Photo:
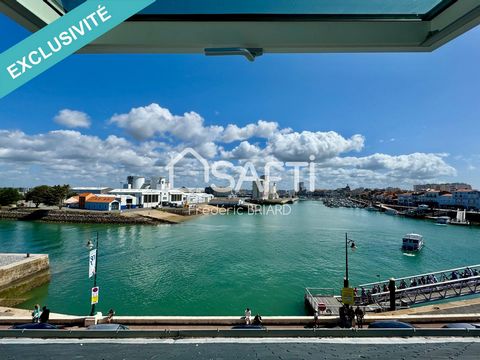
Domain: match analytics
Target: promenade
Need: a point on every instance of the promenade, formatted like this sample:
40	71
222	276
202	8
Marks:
242	348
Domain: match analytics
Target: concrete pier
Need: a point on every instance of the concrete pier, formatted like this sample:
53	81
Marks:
20	273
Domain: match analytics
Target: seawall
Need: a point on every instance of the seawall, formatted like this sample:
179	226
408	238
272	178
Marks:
19	274
74	216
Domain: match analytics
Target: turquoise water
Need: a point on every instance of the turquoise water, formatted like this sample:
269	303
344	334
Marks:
218	265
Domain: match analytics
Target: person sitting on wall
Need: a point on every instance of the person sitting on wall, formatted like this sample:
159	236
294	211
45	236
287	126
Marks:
45	315
110	314
257	320
36	313
248	316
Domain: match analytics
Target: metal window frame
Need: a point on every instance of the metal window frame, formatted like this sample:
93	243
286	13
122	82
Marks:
271	33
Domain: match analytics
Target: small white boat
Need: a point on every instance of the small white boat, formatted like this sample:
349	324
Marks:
461	218
412	242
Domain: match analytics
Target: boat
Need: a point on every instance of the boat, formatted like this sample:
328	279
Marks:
442	220
461	218
391	212
412	242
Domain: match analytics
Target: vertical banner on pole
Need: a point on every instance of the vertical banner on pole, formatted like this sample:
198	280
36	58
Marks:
91	263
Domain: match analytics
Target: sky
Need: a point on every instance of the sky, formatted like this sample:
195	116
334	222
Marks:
372	120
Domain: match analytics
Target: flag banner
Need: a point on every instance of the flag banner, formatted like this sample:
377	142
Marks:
60	39
92	262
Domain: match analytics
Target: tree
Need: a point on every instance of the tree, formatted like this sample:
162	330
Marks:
9	196
57	195
38	195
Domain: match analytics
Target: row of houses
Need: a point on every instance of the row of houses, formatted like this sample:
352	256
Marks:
465	198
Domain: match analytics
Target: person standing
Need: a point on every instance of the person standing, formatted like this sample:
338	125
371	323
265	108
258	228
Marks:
315	318
359	314
248	316
343	316
45	315
350	317
36	313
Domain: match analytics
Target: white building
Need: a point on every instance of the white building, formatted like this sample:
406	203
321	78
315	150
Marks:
468	199
154	192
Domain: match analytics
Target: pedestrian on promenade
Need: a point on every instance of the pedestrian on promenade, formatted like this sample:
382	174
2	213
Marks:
36	313
350	317
315	318
248	316
110	314
364	295
359	314
45	315
343	316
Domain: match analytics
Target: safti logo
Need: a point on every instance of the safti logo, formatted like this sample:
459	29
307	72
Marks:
247	172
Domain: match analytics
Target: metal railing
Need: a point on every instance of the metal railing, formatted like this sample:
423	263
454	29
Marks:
441	276
431	292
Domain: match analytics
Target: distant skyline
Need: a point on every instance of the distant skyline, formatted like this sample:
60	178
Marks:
372	120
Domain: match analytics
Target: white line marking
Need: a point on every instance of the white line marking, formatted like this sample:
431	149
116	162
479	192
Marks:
346	341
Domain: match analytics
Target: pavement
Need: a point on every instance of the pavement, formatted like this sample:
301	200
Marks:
335	348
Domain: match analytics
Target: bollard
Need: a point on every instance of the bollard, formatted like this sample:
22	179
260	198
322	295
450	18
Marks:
391	288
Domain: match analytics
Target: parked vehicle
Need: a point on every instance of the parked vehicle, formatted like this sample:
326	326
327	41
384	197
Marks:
390	325
107	327
35	326
461	326
248	327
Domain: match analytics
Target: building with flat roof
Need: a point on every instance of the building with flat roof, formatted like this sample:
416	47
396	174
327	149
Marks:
91	190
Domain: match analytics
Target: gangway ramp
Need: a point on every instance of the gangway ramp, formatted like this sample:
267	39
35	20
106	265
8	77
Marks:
422	288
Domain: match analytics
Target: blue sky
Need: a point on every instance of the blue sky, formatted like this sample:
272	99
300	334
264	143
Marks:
400	104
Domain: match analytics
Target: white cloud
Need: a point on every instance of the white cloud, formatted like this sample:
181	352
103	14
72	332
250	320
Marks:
153	120
244	151
262	129
82	159
72	119
411	166
70	156
323	145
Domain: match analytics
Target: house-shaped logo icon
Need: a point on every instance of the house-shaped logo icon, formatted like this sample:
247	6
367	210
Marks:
182	155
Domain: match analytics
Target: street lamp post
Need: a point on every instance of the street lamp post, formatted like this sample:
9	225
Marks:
92	311
352	246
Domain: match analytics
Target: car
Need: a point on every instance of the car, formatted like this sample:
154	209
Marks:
248	327
107	327
35	326
390	325
459	326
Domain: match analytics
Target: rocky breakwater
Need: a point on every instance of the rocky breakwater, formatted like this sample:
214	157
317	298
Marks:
74	216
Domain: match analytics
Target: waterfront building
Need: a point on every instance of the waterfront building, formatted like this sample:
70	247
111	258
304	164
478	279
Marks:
445	201
91	190
263	190
450	187
102	203
156	192
89	201
466	199
260	188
